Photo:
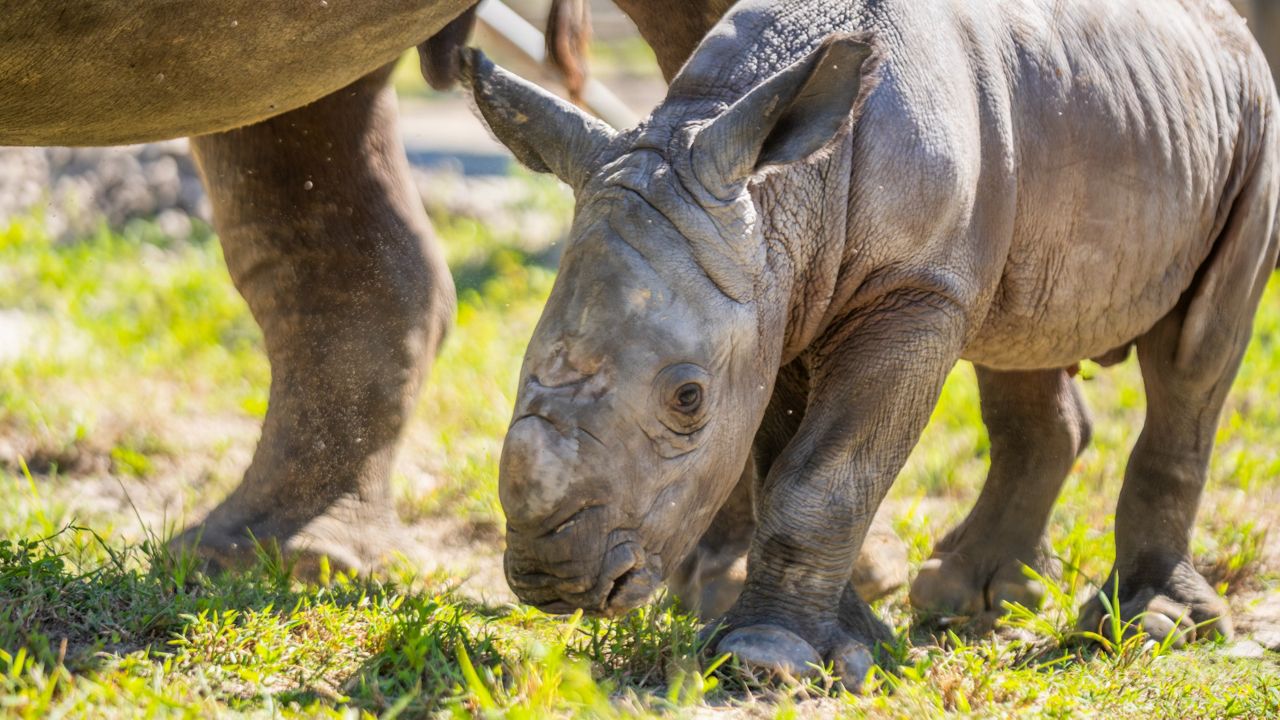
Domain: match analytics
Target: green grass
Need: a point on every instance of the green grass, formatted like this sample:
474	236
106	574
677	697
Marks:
136	403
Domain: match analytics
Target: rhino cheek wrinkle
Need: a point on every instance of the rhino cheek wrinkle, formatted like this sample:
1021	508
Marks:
835	203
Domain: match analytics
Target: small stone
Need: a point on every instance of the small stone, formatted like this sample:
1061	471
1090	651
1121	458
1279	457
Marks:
1248	649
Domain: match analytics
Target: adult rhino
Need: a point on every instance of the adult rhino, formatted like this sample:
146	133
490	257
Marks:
294	129
834	204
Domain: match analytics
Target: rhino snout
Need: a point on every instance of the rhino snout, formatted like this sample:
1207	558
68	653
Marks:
536	475
607	584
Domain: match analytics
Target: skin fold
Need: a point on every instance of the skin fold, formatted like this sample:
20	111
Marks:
834	204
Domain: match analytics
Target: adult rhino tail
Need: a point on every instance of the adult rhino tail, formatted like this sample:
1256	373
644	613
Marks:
438	55
568	39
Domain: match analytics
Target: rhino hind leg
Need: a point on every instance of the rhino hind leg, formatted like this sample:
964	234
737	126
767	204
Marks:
327	241
1189	360
1039	425
1158	589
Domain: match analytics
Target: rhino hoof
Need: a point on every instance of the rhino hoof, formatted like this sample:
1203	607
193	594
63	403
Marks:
852	662
772	650
1184	610
337	542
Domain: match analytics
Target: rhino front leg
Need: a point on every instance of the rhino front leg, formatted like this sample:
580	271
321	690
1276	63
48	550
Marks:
1038	425
712	577
327	240
873	387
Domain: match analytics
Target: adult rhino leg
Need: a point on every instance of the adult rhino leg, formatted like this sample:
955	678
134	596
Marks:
327	240
1038	425
712	577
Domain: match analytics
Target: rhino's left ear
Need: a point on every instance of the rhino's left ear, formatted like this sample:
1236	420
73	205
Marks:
789	117
544	132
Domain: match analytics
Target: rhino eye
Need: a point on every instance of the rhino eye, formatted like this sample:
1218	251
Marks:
681	397
689	398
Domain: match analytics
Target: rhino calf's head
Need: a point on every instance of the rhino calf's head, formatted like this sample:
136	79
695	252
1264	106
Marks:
651	367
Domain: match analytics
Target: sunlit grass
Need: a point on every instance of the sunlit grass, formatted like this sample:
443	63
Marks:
141	342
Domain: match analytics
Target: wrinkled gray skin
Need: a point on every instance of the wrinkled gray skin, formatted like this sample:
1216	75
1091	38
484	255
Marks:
753	273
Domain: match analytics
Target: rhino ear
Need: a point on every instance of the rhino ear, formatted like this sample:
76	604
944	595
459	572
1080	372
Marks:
792	115
544	132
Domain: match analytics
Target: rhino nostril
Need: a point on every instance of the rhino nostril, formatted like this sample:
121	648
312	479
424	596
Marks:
571	521
619	585
567	524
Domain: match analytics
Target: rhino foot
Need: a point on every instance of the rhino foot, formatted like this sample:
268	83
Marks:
774	652
350	536
789	646
1181	608
976	589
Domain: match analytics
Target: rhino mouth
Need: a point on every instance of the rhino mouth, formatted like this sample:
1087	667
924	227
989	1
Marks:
625	579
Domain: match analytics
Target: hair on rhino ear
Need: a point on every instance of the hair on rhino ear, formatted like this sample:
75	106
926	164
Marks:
544	132
568	40
438	56
788	118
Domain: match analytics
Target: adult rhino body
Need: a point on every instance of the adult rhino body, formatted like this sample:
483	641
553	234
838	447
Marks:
323	231
834	204
296	137
110	72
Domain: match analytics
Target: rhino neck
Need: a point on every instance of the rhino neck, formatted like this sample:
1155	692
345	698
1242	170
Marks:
804	218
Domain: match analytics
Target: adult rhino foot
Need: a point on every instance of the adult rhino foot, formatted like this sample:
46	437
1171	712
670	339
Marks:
1180	608
786	646
349	536
973	586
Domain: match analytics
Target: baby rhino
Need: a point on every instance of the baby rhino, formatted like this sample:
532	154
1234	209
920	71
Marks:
835	203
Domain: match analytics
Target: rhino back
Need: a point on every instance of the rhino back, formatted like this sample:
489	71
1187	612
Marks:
1132	125
1060	168
100	72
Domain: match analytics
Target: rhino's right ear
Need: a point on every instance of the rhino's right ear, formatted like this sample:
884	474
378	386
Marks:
544	132
789	117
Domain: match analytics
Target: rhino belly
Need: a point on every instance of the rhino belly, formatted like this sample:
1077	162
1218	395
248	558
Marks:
104	72
1059	303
